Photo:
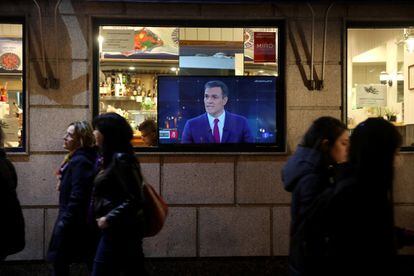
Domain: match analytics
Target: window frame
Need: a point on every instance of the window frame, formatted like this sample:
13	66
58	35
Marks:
24	149
351	24
282	52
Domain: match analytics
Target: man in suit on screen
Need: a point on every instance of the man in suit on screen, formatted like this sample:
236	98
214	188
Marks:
216	125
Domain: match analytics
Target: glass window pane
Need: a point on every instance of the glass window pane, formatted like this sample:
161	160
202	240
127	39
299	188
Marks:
11	83
379	61
131	58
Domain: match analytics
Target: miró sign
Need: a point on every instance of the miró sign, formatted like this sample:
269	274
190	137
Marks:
264	47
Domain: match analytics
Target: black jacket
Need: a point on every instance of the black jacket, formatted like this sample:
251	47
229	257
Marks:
118	194
305	176
361	224
357	229
12	233
71	235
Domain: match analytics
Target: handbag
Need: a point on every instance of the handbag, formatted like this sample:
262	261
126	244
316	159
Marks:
155	211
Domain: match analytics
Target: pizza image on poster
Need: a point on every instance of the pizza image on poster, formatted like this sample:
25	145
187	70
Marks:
9	61
147	43
146	40
10	55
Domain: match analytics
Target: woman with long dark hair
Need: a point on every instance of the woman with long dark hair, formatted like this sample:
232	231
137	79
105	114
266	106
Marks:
72	237
361	217
310	171
118	200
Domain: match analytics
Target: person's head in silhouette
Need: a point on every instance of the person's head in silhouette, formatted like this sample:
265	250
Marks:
374	144
330	136
113	134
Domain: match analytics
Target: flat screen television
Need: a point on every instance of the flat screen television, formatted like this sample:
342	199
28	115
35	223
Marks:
220	114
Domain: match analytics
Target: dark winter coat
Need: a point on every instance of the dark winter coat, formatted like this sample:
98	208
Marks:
305	176
118	195
357	224
12	233
360	220
72	236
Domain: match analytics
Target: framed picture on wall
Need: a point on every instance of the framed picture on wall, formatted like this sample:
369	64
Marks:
411	77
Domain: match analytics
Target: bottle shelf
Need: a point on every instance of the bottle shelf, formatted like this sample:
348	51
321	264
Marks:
11	74
120	98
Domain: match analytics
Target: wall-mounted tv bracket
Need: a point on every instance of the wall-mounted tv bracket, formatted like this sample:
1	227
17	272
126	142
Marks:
318	84
46	81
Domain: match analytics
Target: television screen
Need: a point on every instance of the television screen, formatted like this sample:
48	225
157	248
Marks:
208	112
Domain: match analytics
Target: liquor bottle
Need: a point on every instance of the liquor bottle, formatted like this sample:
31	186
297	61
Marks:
128	80
155	86
102	89
154	83
113	81
118	85
3	93
138	88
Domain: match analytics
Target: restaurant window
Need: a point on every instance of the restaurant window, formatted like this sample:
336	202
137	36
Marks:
380	77
132	56
12	83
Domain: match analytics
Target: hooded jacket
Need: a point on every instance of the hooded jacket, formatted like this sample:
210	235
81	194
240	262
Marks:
305	176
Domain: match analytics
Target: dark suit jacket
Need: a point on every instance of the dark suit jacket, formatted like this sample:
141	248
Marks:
198	131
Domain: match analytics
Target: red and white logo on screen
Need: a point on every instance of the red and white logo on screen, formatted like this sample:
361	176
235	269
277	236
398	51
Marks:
173	134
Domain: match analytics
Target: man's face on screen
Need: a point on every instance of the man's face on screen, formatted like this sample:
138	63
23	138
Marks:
214	101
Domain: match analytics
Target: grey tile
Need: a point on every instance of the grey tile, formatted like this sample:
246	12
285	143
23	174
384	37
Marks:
259	181
177	238
71	41
242	231
34	236
404	175
198	180
298	40
47	126
37	179
50	219
298	94
73	88
298	122
281	226
150	168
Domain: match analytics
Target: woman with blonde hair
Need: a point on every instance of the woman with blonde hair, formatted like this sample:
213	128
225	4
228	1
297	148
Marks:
72	238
